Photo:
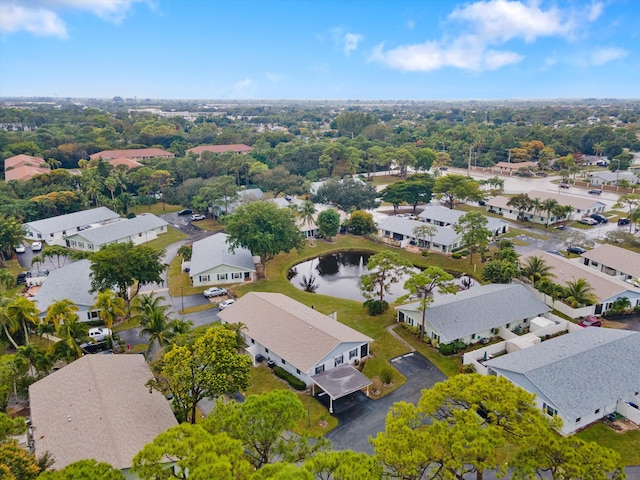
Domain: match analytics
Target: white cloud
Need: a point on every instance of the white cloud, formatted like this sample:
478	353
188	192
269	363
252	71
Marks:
602	55
243	88
43	17
351	41
488	25
411	24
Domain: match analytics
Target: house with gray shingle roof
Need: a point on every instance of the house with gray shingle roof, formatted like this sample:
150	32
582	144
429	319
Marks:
73	281
138	230
398	231
447	217
297	338
213	263
581	377
54	230
99	407
474	314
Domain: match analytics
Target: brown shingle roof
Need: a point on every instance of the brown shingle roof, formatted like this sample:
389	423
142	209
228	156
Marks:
22	159
129	162
24	172
604	286
296	333
134	153
236	148
97	407
621	259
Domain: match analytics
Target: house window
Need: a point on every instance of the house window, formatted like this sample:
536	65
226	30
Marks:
339	360
401	316
298	371
283	362
320	369
204	278
253	341
549	410
222	276
473	336
237	275
578	419
507	325
266	350
597	411
353	353
247	275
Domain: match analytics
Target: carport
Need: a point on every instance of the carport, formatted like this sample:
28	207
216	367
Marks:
340	382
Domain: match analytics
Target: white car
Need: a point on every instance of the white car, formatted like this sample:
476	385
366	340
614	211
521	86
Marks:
99	334
36	246
20	248
226	303
214	292
198	216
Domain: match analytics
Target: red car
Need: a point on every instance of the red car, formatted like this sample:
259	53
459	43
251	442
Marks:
590	321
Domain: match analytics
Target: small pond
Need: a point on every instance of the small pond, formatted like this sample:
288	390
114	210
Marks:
338	275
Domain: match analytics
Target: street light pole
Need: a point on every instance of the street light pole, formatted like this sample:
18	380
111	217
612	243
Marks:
617	173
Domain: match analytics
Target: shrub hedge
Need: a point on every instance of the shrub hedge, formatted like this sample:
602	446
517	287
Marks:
294	381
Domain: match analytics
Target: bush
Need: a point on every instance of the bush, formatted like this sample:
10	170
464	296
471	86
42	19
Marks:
294	381
425	253
386	375
411	329
451	348
131	215
456	255
376	307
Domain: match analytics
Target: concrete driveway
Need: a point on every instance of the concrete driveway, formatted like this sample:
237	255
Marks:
360	417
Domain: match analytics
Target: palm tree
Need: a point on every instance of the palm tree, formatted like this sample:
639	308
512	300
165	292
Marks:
520	202
156	327
536	204
111	307
73	332
306	212
179	326
25	312
536	269
145	303
425	231
6	280
548	205
579	293
60	311
9	322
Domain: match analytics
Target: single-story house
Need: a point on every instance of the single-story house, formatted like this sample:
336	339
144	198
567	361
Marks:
133	153
615	261
509	168
582	206
54	230
97	407
606	288
213	263
399	231
611	178
474	314
445	217
138	230
580	377
24	167
297	338
233	148
73	282
127	162
244	196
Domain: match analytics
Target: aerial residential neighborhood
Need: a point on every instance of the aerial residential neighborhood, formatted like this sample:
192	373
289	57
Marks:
266	240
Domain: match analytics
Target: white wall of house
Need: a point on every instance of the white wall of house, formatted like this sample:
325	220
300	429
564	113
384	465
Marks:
56	238
403	241
222	275
78	242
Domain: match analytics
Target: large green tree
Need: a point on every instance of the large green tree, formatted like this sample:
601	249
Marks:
347	194
328	223
125	268
386	268
84	469
11	233
475	234
457	188
264	229
203	368
263	423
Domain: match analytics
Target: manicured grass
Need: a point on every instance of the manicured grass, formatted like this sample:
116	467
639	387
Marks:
197	308
626	444
155	208
126	325
450	366
169	238
263	380
210	225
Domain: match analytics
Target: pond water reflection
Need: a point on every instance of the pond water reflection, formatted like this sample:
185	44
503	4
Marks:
338	275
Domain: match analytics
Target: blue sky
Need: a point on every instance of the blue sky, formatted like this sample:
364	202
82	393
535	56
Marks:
358	49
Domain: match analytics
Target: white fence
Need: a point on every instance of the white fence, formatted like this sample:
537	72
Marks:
560	306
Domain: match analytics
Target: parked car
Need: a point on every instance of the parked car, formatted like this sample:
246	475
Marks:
565	185
185	211
562	226
21	279
555	252
19	248
590	321
588	221
198	216
576	250
623	221
595	192
599	218
99	334
214	292
36	246
226	303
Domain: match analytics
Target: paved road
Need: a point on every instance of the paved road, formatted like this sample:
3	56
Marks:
361	417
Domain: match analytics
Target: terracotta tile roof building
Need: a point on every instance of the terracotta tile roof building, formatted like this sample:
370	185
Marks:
134	154
23	167
234	148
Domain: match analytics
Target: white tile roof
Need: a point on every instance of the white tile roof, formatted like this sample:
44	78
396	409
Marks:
71	221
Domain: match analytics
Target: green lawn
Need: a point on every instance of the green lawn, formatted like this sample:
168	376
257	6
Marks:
164	240
626	444
155	208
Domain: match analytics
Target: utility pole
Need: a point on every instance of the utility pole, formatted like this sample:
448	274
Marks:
469	164
509	152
